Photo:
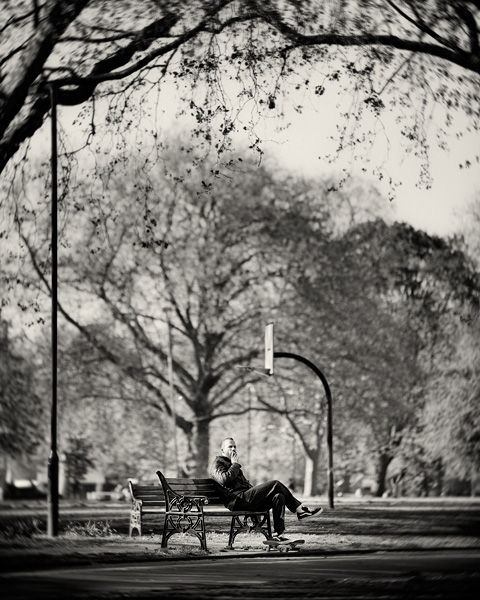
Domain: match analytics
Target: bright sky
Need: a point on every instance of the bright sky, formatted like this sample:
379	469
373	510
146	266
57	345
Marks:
438	210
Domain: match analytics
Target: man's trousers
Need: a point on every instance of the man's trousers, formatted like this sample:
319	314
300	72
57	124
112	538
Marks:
265	496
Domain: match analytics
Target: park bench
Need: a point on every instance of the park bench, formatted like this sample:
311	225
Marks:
186	503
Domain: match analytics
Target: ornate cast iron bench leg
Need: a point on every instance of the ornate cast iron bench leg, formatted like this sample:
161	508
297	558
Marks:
136	518
183	522
202	534
262	525
258	524
235	528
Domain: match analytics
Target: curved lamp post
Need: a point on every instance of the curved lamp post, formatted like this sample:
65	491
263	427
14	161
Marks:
328	394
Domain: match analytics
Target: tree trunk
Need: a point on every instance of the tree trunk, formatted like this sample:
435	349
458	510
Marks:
473	481
382	465
309	476
3	477
199	444
310	485
439	475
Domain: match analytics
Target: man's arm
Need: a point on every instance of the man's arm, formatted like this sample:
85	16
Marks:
223	473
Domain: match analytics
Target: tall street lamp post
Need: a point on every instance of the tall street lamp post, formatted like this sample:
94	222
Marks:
53	457
171	391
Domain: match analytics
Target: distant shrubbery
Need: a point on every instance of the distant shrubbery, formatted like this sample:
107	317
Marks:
90	529
26	528
32	526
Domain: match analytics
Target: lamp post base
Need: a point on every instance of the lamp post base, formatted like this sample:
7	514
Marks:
53	494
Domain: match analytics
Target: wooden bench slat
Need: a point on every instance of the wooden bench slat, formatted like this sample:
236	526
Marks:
192	482
194	488
211	499
212	496
174	482
211	511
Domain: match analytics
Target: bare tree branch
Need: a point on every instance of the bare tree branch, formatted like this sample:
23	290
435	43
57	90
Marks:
24	104
16	86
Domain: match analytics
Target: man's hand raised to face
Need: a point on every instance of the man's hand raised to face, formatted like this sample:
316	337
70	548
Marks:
229	448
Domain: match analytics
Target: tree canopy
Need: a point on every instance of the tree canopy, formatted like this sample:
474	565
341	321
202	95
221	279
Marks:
378	307
22	407
205	271
96	48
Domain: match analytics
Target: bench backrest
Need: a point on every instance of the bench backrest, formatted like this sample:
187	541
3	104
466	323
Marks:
151	493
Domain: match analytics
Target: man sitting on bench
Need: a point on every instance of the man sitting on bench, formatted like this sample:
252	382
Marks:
240	494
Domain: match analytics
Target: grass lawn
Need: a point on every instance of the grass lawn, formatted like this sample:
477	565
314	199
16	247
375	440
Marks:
91	534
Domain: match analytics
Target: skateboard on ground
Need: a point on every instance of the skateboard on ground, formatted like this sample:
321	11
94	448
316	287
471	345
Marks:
284	546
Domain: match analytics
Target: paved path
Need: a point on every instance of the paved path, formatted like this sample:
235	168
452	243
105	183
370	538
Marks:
387	575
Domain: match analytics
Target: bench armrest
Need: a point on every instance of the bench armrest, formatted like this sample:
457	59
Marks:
176	502
185	504
200	499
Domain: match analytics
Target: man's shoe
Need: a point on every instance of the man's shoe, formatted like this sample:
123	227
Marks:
306	513
278	538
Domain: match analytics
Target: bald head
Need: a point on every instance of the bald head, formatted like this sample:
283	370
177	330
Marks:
228	446
227	442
